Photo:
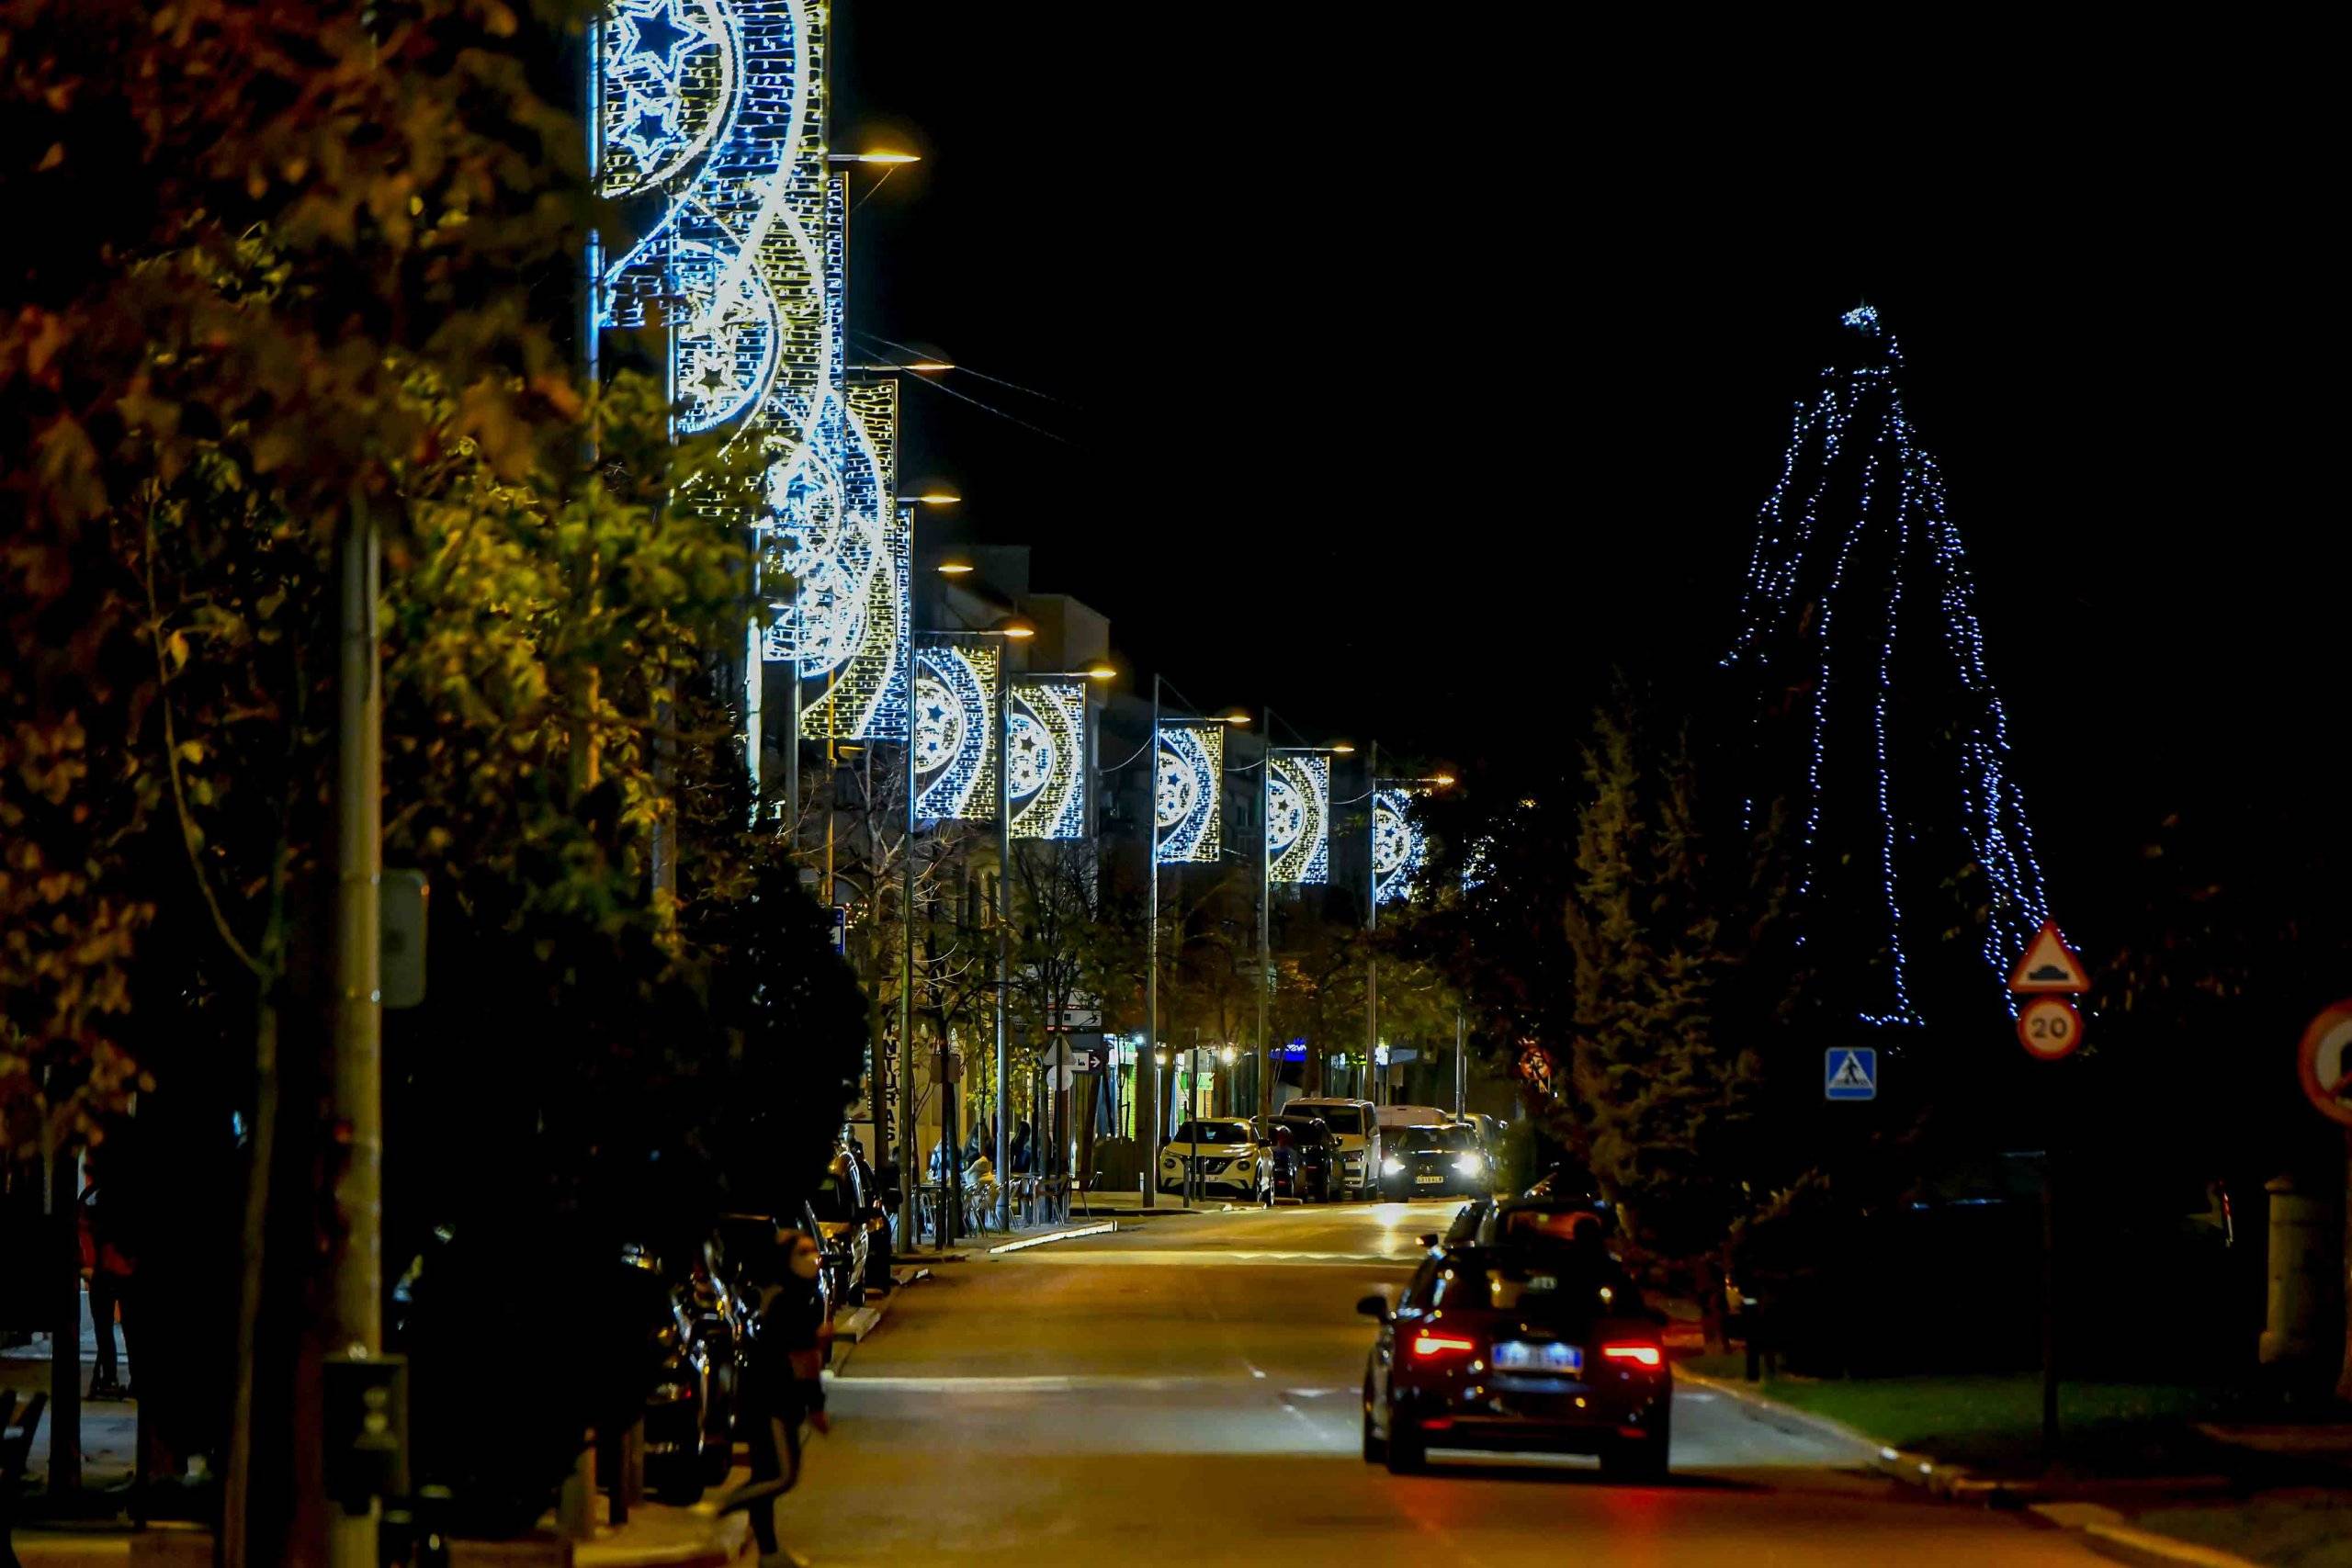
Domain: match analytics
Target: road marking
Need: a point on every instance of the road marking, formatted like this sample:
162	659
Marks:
1042	1383
1071	1255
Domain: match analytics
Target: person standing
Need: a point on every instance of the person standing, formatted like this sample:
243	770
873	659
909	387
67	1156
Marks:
783	1386
106	1257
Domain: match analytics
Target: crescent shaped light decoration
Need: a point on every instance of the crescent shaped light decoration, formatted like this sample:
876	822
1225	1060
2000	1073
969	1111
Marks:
955	732
1399	847
713	113
1047	763
1190	804
1298	820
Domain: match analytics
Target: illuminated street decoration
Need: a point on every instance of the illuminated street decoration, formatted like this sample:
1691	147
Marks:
1877	716
1190	776
1298	819
955	732
865	699
1399	846
715	110
1045	761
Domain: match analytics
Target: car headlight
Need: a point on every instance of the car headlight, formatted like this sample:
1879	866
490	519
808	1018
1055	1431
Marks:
1469	1164
1392	1165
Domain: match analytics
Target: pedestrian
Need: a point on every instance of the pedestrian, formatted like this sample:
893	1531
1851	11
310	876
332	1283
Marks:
782	1385
105	1260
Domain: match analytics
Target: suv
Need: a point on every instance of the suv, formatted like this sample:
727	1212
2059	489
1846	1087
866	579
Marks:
1225	1152
1355	1128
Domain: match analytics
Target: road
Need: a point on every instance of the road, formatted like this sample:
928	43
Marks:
1189	1390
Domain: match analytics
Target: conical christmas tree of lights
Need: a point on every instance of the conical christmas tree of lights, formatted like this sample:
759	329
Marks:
1876	724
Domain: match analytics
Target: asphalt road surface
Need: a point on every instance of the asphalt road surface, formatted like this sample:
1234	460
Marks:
1189	1391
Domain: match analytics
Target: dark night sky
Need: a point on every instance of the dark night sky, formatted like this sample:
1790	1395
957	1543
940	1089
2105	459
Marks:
1416	390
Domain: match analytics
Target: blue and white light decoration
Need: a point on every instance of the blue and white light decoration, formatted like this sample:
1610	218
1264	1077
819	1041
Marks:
1298	819
715	110
1190	778
955	732
1858	417
1398	845
1045	763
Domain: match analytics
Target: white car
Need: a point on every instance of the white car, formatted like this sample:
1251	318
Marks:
1230	1160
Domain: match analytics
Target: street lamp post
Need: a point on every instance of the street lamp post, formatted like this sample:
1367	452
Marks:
1265	1066
1151	967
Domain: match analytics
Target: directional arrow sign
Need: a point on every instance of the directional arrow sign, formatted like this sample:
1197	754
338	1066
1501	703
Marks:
2049	964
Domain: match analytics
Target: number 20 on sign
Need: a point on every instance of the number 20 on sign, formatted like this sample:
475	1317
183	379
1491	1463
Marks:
2049	1027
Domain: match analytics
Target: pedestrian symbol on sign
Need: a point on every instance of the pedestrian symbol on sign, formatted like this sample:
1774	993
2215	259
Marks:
1850	1073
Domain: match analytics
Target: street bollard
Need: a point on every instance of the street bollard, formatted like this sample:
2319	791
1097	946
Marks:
2298	1262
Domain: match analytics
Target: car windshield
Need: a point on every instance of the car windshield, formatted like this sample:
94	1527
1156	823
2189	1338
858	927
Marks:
1213	1133
1345	1121
1441	1140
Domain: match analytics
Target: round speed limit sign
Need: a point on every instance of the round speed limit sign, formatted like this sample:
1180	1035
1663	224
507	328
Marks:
2324	1062
2049	1027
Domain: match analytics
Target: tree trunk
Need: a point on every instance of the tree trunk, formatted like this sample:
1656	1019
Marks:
236	1486
66	1339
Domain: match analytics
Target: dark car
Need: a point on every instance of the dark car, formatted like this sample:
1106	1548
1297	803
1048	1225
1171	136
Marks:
1307	1158
690	1409
1434	1162
845	1218
1518	1348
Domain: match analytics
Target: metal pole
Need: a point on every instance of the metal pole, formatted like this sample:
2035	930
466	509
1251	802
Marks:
910	1168
1151	969
1265	907
358	1263
792	741
1003	934
1461	1063
1372	914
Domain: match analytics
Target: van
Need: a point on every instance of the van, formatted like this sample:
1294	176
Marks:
1355	1128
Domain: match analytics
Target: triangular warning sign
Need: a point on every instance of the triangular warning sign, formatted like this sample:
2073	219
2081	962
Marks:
1849	1074
2049	964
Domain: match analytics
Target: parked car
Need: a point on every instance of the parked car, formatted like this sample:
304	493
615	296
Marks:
1304	1158
1355	1128
753	1258
689	1411
1434	1162
1395	1118
845	1217
1517	1347
1225	1153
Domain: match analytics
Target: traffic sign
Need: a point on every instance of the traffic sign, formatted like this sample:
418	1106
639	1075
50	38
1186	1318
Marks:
1849	1072
840	929
2049	964
2324	1062
2049	1027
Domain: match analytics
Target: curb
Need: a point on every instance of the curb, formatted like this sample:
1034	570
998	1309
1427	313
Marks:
731	1534
1103	1227
1911	1469
2105	1532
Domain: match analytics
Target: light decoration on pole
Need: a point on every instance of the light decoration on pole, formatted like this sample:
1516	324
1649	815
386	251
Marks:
1046	761
1298	819
1856	547
955	732
715	110
1190	805
1398	844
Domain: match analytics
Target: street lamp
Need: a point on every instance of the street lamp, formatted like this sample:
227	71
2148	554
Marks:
1049	1123
1373	783
1266	897
1015	631
1152	929
921	366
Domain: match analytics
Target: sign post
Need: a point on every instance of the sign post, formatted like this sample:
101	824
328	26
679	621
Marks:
2050	976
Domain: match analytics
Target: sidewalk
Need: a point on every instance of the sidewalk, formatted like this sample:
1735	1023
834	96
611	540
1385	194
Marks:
2140	1476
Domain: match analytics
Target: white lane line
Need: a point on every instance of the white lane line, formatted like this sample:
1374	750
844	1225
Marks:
1027	1242
1042	1382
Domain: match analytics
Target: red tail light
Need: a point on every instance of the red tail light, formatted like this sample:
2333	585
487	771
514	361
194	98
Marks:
1428	1346
1640	1355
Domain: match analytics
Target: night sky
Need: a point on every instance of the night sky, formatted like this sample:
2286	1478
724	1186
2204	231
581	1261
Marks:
1413	391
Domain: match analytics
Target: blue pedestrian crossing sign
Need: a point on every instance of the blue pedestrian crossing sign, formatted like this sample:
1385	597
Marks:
1850	1072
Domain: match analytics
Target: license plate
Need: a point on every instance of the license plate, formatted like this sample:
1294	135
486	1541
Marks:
1431	1181
1519	1356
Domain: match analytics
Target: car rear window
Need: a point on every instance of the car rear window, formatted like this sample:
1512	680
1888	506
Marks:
1549	1290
